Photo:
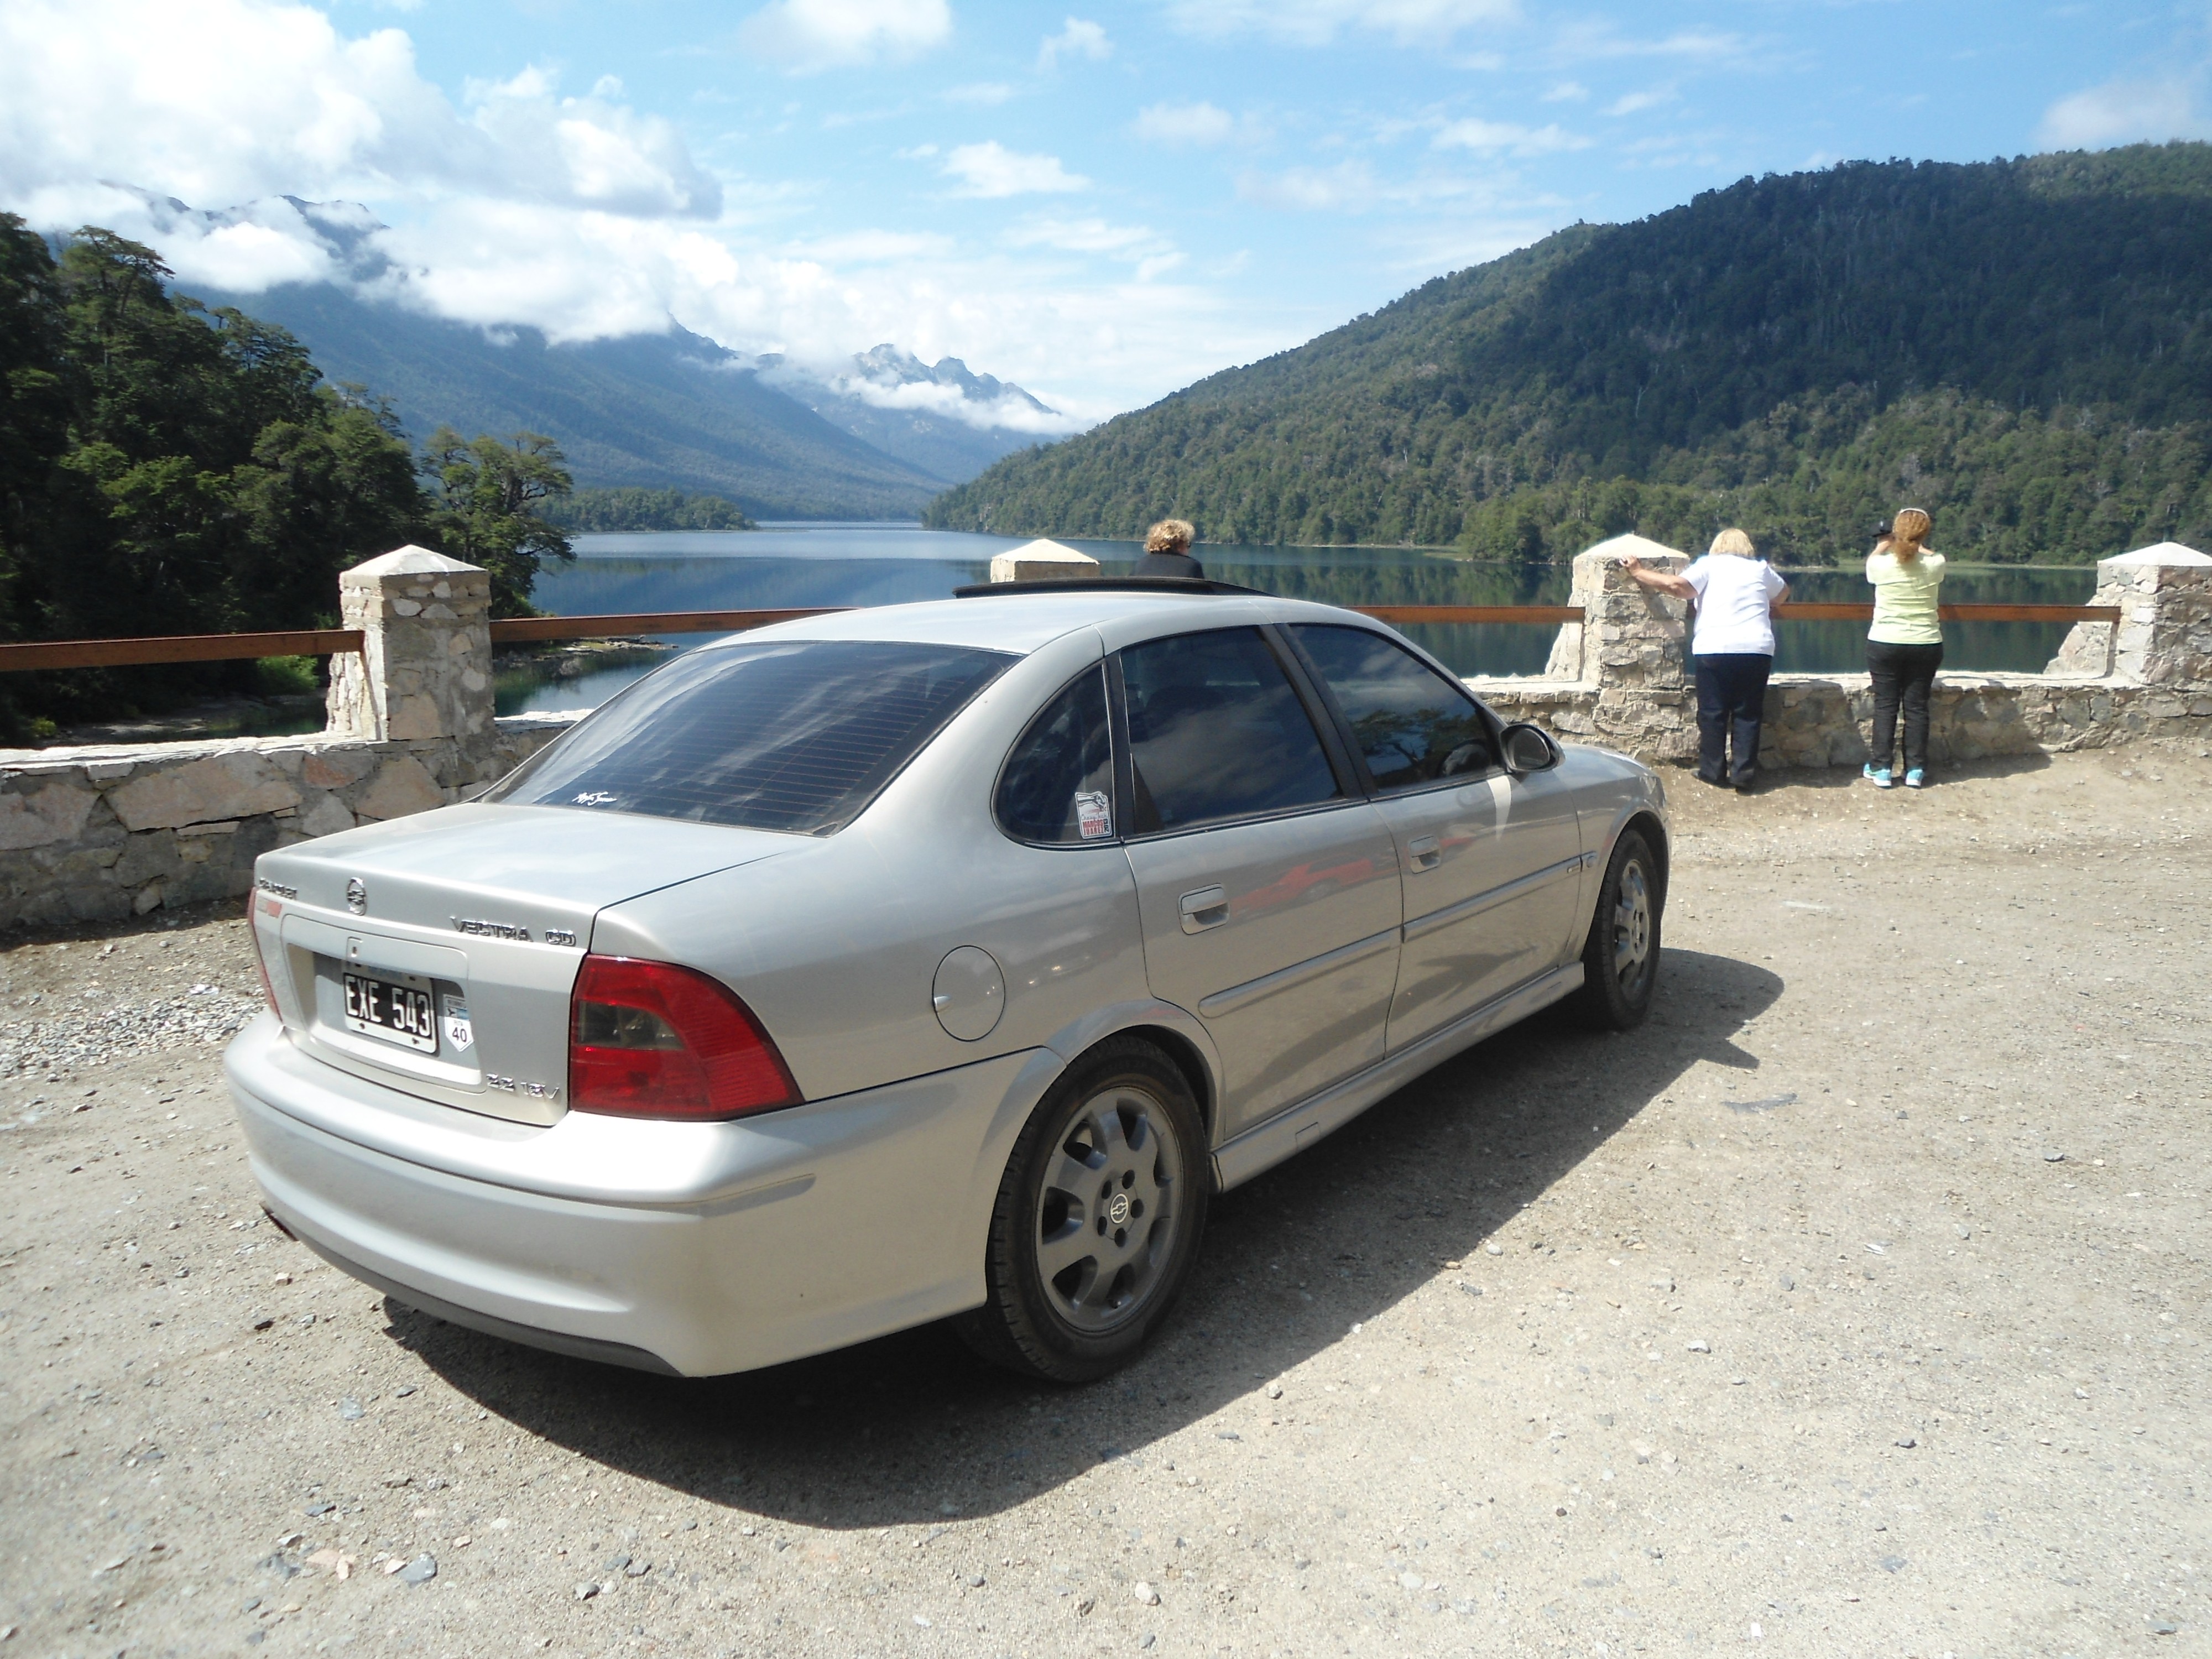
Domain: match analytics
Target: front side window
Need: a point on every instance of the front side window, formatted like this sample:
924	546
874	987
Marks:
798	735
1413	725
1217	732
1058	784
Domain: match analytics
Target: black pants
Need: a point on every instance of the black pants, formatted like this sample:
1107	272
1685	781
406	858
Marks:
1901	674
1731	698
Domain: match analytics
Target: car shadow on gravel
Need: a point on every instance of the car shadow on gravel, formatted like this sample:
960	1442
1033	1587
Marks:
910	1429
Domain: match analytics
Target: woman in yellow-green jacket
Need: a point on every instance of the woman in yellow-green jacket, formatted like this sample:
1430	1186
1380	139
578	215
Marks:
1905	645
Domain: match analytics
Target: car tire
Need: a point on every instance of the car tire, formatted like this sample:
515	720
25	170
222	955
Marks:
1097	1219
1621	959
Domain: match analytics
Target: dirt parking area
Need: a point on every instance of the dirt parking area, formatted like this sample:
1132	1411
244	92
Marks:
1854	1305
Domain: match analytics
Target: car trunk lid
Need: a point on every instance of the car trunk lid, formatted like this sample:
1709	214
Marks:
436	953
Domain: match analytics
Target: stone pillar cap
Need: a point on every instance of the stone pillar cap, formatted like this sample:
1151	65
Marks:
1642	546
2164	553
411	561
1044	548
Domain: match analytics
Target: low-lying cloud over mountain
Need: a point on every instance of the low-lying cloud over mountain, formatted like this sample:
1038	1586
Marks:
872	434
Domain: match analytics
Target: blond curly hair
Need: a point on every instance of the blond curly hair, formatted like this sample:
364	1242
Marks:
1170	536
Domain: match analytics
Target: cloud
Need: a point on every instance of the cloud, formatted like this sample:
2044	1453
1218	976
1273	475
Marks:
984	93
1350	185
818	34
1567	92
1152	254
874	247
231	101
1010	412
247	134
1597	40
1317	22
1507	138
992	170
1077	40
2124	112
1085	236
1185	124
1629	103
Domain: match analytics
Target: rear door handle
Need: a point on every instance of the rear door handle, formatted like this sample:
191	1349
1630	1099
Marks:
1207	908
1427	852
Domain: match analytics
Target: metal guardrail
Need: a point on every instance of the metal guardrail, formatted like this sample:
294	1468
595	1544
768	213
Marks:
517	630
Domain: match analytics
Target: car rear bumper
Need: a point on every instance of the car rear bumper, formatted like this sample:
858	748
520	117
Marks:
692	1249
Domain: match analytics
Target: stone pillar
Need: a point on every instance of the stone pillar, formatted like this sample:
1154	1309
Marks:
2164	636
1041	560
425	667
1628	635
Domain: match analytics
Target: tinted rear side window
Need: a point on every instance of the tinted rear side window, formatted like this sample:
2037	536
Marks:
797	736
1413	725
1216	732
1059	781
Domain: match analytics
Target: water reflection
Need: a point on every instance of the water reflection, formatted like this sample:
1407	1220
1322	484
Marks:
867	564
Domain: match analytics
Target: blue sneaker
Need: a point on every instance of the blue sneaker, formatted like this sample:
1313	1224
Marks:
1876	775
1916	778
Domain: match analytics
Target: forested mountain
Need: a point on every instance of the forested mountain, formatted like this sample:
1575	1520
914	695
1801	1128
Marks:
651	411
2023	348
630	508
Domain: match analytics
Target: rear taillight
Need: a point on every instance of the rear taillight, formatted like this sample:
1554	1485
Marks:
266	905
648	1039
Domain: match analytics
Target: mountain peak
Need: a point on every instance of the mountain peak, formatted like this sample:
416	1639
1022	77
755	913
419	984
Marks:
889	365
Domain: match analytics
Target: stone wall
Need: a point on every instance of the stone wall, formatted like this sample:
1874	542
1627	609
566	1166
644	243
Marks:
1618	679
95	833
1823	720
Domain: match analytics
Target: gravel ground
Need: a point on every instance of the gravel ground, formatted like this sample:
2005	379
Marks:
1854	1305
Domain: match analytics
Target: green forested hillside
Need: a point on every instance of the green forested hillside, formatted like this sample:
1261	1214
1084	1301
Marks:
633	509
2024	348
167	469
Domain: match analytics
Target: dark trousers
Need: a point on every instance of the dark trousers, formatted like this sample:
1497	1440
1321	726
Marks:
1901	674
1731	698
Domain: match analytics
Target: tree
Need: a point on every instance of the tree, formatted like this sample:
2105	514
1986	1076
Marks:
490	494
2019	347
167	469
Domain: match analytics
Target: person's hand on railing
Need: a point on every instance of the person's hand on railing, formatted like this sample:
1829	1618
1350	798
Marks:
1659	581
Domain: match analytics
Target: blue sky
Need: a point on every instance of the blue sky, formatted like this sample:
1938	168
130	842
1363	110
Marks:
1101	203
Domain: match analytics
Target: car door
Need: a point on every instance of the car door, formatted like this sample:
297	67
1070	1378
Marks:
1267	888
1490	862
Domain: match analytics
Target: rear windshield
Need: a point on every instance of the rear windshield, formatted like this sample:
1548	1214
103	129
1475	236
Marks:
799	736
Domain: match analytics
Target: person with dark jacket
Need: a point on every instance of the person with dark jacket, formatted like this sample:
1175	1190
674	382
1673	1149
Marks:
1167	551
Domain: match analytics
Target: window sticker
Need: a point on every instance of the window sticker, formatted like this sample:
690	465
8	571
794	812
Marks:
1094	816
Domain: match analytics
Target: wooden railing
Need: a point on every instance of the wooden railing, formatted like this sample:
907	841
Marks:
1820	611
327	642
176	647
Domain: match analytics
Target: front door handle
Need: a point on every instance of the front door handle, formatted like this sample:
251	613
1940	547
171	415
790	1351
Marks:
1207	908
1426	852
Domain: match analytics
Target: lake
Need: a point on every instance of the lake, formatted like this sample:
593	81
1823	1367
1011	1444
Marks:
784	566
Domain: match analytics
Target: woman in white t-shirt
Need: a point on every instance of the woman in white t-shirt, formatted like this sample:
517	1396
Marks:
1732	648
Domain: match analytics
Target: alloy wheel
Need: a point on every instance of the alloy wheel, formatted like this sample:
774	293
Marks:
1632	925
1110	1210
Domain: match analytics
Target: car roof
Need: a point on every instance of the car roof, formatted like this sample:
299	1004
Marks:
1022	623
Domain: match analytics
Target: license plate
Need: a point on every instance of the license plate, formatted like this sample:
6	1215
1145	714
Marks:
395	1012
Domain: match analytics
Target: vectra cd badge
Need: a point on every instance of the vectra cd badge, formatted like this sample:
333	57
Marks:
356	896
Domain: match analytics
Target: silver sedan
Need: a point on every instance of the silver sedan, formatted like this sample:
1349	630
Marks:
933	961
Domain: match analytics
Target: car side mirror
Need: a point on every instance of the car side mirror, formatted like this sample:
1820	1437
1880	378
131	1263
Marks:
1530	749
